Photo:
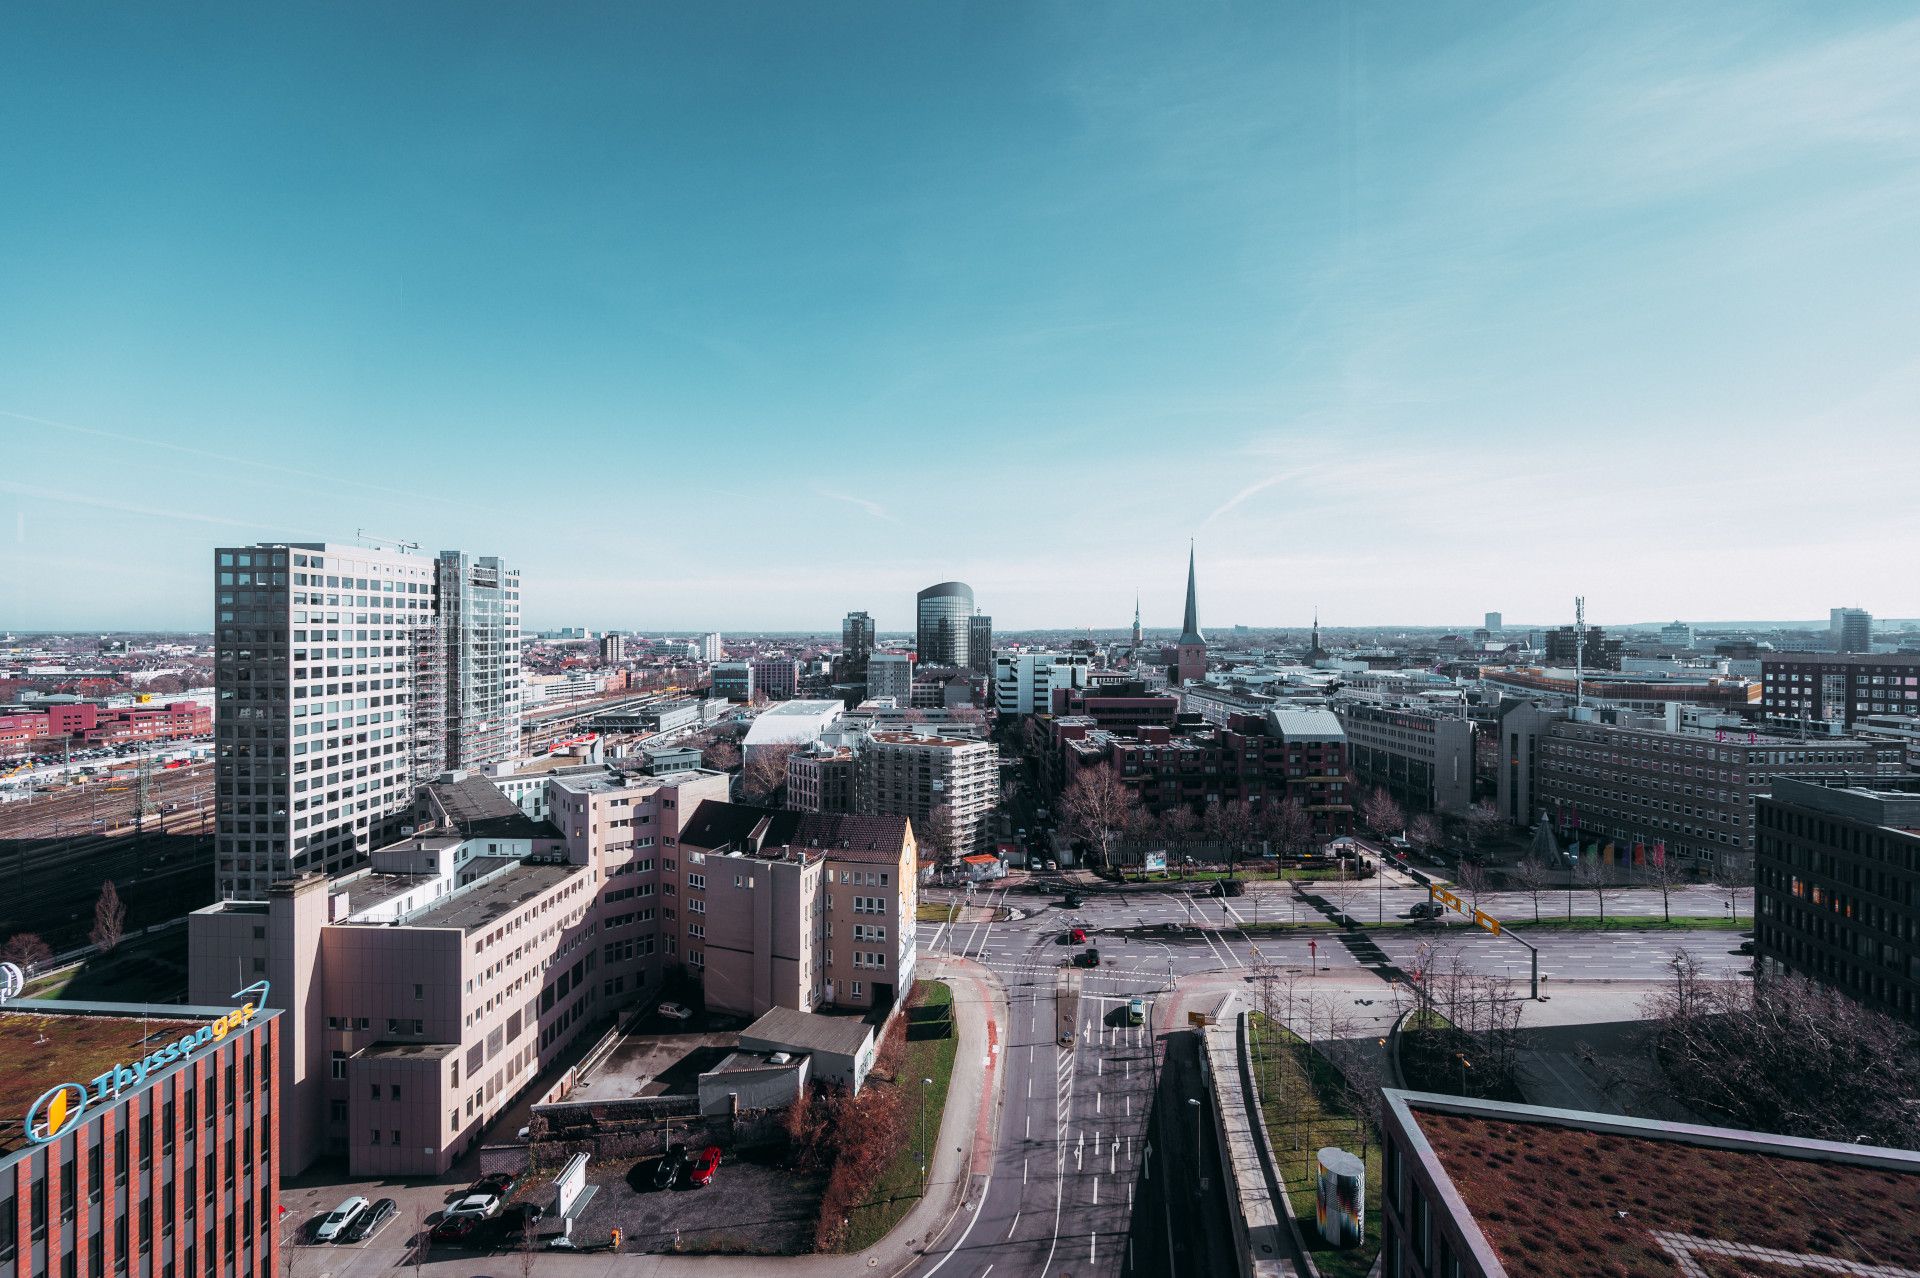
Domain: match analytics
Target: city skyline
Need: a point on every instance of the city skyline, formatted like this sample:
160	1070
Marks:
1546	300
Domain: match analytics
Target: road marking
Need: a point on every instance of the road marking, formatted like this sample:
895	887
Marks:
1096	1191
1010	1228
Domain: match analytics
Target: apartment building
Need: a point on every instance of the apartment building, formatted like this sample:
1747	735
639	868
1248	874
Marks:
343	677
903	774
1025	682
1636	784
824	778
424	991
776	678
1263	760
890	674
1839	687
797	910
1838	886
1423	758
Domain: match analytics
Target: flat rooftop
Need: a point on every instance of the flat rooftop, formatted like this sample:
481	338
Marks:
44	1048
1557	1199
474	908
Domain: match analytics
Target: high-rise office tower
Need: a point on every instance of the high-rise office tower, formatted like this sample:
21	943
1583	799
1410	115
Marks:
711	649
479	607
1493	623
943	616
980	643
1852	629
856	643
344	677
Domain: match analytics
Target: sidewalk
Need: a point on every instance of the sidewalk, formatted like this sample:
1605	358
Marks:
960	1163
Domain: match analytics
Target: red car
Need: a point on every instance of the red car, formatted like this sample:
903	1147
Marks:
1078	936
705	1166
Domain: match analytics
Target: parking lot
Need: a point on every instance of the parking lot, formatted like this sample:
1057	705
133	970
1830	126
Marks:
754	1205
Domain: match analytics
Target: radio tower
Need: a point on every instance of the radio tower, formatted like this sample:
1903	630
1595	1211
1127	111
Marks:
1580	651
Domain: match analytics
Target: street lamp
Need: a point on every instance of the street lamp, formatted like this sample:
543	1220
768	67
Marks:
1193	1102
1163	945
925	1083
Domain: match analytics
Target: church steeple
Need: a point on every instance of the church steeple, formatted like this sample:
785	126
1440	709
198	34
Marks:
1190	624
1136	619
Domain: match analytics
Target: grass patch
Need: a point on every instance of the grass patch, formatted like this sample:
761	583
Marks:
1431	1049
1302	1105
935	912
1631	923
147	969
931	1047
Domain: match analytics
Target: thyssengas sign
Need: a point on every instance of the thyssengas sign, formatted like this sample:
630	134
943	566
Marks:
60	1106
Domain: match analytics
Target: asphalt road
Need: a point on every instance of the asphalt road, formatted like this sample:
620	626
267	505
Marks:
1073	1128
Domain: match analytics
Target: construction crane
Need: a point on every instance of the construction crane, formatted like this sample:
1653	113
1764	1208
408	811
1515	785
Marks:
395	542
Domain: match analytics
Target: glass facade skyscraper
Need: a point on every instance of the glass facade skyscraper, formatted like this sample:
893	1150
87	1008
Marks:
944	620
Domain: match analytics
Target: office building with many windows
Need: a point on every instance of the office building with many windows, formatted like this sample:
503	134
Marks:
344	676
140	1140
1822	688
1837	885
943	624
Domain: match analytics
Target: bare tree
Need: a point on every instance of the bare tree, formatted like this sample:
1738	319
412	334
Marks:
1664	875
1784	1053
764	776
935	837
1381	814
1480	823
722	754
1290	826
1473	881
1531	874
1424	832
1176	827
1229	826
1100	810
25	950
1596	877
109	919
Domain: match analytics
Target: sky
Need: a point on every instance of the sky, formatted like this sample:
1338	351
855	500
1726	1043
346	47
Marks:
741	316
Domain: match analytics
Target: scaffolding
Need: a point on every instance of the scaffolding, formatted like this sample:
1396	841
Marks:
428	745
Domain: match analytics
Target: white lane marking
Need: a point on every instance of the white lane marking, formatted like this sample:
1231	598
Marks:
1010	1228
1096	1191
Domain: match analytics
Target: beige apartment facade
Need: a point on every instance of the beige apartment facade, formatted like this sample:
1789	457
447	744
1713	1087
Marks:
424	992
906	774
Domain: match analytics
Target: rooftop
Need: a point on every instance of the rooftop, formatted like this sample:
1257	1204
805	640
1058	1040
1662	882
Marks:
46	1043
1558	1194
476	806
716	825
810	1032
477	906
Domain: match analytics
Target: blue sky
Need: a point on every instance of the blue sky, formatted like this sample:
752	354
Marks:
745	315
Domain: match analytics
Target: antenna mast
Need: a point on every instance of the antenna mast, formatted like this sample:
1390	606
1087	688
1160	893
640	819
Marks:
395	542
1580	651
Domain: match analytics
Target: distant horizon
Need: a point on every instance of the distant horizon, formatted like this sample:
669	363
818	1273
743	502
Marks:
749	632
725	313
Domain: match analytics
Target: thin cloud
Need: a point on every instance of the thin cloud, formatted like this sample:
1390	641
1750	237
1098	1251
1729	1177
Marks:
873	508
227	459
155	512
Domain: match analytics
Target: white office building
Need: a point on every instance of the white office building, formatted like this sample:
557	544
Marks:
1024	682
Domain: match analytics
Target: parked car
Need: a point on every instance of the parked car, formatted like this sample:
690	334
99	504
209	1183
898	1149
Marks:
517	1221
479	1205
1136	1011
671	1167
675	1012
705	1166
370	1221
499	1184
1072	901
336	1221
456	1231
1426	910
1077	936
1087	958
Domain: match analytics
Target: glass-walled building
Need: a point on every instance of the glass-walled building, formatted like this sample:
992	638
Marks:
944	624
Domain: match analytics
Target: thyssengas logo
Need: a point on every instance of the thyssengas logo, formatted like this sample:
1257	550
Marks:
57	1109
60	1106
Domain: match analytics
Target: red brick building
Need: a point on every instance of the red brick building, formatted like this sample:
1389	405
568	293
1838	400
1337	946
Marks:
86	723
139	1140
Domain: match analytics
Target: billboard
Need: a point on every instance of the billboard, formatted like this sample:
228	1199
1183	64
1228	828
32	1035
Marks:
1156	863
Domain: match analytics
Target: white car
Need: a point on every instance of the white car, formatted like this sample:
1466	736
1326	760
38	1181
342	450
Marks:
339	1218
674	1012
474	1205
